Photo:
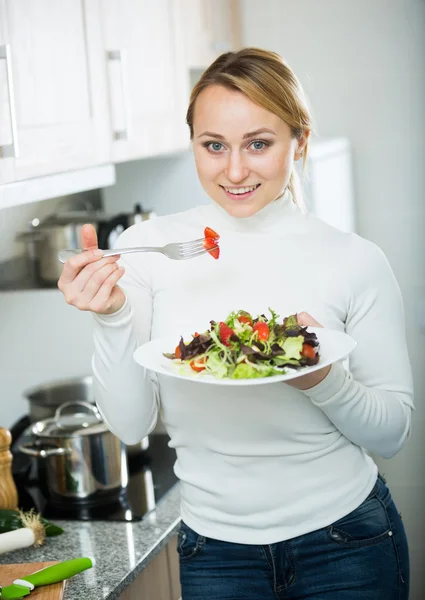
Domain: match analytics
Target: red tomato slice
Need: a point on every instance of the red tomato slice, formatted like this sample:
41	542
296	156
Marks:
244	319
263	330
210	233
308	351
225	333
211	245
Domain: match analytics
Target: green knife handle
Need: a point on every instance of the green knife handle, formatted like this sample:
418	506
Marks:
59	572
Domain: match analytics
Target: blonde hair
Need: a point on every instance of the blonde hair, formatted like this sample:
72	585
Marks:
268	81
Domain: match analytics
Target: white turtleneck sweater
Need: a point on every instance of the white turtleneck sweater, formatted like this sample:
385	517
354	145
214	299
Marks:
261	464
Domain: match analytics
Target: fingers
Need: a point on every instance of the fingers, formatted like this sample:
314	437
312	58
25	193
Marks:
97	295
74	265
94	269
88	237
304	319
104	298
94	283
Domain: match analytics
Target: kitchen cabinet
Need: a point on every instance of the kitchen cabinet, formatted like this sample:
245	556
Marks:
148	84
84	84
56	117
152	49
7	106
212	27
160	580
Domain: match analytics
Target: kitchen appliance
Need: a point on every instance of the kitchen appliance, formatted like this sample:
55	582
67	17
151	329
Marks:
43	400
82	456
149	477
110	230
45	238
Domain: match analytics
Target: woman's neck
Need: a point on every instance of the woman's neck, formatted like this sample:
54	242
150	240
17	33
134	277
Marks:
268	219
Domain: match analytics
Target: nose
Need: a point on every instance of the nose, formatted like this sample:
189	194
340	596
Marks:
236	170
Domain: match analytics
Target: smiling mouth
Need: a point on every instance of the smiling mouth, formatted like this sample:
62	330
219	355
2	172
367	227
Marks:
240	191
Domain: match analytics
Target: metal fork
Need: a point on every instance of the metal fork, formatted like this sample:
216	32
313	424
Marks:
175	251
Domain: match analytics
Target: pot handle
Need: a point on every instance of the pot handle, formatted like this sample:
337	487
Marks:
91	407
41	452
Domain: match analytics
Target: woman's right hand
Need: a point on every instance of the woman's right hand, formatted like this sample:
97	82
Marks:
88	281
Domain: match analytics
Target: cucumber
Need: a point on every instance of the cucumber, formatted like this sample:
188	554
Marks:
10	520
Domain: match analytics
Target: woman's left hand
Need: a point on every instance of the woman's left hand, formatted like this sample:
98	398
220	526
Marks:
305	382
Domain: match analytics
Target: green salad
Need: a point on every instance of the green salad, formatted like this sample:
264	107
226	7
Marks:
247	347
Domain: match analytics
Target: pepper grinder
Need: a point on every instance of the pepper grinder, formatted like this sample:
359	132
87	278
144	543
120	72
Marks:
8	492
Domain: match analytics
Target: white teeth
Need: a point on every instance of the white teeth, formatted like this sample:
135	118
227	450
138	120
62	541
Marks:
242	190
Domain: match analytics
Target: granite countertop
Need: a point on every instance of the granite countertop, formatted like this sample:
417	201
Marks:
121	550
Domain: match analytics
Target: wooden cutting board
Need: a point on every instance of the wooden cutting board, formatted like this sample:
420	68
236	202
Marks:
8	573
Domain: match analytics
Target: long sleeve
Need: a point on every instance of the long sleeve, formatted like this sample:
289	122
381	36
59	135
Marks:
371	403
124	391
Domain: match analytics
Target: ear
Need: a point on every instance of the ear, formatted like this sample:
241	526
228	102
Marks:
302	142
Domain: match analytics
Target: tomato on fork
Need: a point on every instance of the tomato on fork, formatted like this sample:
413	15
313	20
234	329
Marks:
210	244
210	233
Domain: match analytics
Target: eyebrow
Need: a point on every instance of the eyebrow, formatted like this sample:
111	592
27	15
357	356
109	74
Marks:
244	137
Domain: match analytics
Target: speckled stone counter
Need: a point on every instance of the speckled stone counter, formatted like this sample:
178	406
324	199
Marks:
121	550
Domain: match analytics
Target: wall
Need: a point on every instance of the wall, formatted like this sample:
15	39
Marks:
167	184
41	337
362	65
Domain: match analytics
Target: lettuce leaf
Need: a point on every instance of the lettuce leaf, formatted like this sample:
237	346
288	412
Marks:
293	347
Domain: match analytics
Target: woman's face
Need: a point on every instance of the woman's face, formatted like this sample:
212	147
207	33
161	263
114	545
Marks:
244	154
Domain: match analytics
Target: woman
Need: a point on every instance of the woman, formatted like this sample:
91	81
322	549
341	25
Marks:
280	498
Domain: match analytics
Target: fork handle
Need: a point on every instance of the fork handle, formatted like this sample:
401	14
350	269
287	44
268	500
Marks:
64	255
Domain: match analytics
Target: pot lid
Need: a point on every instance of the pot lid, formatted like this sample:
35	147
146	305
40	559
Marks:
73	422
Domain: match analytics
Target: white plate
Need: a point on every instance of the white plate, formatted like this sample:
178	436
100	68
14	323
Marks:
334	346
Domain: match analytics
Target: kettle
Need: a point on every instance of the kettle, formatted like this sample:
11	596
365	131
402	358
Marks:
109	230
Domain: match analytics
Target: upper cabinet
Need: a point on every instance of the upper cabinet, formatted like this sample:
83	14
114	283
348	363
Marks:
53	103
153	50
84	83
212	27
148	85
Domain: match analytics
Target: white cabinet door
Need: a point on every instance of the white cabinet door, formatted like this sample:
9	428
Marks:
7	105
211	28
57	62
148	83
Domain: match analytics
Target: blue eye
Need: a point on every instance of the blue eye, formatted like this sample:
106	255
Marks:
258	145
214	146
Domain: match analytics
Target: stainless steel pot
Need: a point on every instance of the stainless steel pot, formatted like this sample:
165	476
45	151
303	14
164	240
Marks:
45	239
45	399
82	456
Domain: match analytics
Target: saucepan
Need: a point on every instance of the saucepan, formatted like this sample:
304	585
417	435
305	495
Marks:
82	457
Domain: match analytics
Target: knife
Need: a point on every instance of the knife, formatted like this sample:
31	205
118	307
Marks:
53	574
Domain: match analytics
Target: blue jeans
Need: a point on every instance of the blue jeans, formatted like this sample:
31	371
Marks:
362	556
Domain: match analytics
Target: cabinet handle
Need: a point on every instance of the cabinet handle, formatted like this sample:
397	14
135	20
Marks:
119	133
10	150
